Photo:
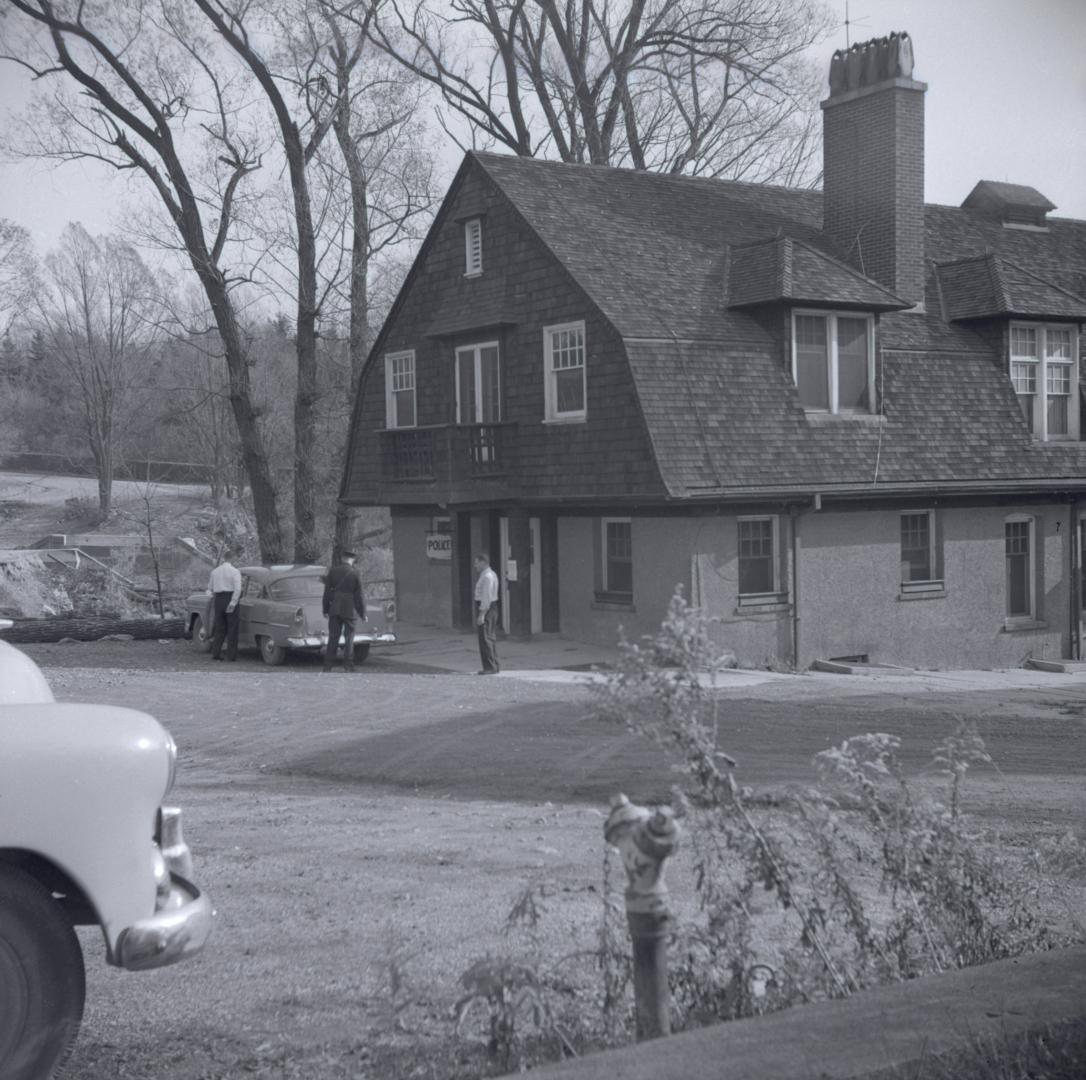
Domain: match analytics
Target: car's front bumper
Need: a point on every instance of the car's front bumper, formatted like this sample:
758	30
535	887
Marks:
175	932
315	641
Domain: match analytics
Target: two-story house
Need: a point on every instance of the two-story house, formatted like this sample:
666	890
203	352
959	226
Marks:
847	422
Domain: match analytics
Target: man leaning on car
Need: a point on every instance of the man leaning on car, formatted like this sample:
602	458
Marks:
342	602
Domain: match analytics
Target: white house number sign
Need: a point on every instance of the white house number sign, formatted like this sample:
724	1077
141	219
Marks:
439	545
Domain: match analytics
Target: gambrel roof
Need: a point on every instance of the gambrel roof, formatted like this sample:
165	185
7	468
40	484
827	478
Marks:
658	255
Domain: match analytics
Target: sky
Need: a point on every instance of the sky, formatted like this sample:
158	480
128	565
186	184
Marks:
1006	101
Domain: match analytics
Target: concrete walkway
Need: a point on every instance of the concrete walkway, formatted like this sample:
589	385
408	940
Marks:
552	658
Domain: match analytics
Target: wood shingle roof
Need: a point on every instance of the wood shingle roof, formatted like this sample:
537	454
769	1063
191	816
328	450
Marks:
655	252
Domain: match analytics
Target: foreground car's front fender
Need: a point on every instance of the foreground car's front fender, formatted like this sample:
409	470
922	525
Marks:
80	786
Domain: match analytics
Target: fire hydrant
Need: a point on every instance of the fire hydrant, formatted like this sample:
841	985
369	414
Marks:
645	838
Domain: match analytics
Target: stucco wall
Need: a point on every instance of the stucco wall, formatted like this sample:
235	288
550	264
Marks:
665	551
849	588
849	580
423	586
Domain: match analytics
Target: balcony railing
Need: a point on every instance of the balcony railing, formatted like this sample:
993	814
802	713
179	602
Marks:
453	453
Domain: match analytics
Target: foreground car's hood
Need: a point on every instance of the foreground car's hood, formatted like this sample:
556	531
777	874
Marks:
21	680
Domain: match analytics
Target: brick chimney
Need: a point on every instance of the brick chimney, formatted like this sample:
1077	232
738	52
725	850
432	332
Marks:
873	163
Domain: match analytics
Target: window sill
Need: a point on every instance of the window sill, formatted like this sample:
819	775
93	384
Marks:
922	590
474	274
580	418
613	602
756	602
1022	622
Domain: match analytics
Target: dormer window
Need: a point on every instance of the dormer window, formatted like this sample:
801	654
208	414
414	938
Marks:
833	361
473	247
1045	378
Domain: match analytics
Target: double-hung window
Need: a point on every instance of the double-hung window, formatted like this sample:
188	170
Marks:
1019	553
616	559
1045	378
564	371
400	390
473	247
921	555
833	361
759	561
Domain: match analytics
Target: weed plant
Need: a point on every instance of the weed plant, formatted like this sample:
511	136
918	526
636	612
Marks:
859	880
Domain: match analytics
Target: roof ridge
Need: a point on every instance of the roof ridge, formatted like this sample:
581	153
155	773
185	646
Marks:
664	176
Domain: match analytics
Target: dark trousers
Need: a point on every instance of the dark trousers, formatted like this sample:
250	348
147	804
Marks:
488	639
225	625
339	627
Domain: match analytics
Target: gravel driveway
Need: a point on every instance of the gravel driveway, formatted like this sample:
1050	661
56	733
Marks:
364	836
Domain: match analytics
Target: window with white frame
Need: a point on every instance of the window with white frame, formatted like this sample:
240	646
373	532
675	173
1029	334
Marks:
616	558
400	390
1045	378
473	246
921	558
759	560
564	371
1019	554
833	361
478	384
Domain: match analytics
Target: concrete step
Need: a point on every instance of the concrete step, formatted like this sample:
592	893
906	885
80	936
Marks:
1064	667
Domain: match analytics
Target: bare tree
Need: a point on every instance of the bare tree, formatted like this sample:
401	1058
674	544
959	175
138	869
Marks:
385	162
96	310
133	86
17	272
703	87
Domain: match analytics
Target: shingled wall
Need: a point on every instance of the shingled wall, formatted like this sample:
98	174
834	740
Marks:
522	288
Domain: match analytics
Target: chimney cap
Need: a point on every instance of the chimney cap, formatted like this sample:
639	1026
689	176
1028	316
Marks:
868	63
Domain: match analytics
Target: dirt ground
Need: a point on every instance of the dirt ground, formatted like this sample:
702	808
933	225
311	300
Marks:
363	838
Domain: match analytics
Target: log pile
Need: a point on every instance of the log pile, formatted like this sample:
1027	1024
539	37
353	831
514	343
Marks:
91	628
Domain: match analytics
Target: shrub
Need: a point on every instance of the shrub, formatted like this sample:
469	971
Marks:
869	881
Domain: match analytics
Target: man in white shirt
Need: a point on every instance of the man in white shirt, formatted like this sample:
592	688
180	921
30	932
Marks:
224	585
486	614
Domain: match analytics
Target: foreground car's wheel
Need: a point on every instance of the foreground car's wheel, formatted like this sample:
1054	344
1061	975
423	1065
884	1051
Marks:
361	651
41	980
273	654
201	638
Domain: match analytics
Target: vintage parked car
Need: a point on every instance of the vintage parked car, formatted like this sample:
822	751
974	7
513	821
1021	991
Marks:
280	610
84	840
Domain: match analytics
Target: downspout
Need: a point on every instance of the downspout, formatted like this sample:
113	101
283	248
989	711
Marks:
1073	532
797	513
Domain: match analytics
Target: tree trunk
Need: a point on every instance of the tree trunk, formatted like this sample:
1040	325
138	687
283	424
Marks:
360	302
265	509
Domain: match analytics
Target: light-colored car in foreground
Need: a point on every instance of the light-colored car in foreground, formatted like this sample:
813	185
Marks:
280	611
84	840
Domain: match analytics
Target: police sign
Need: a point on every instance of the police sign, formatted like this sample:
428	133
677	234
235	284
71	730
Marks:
438	546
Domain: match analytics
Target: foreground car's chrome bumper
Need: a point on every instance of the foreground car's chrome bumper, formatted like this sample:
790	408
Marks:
318	642
174	933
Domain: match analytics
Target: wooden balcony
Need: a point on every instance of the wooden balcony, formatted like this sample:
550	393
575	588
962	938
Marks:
453	461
